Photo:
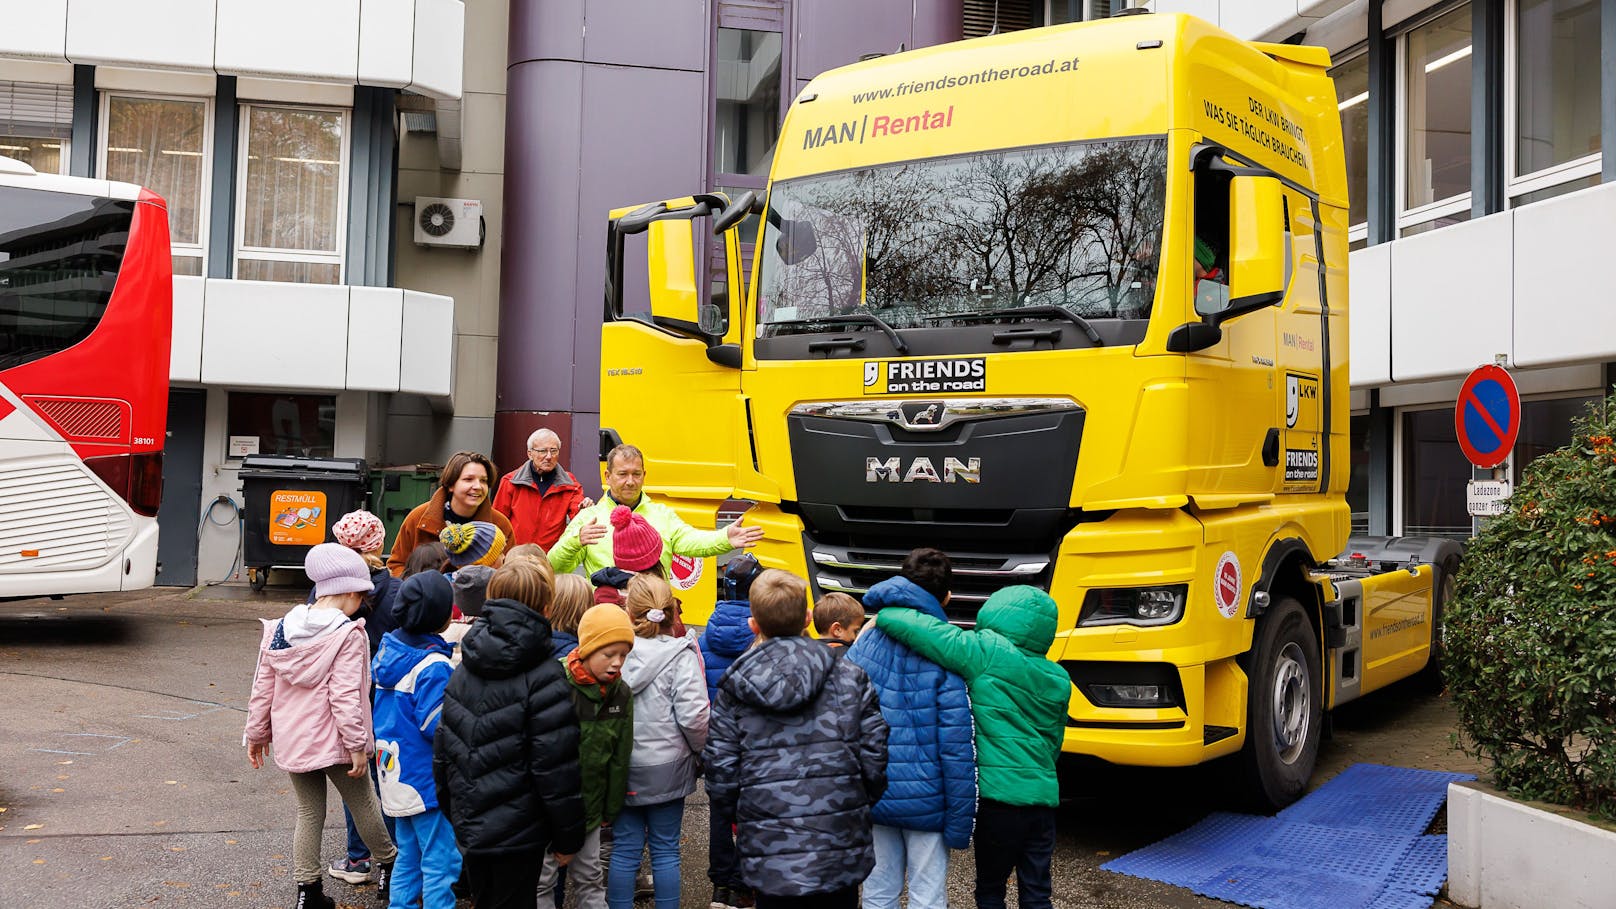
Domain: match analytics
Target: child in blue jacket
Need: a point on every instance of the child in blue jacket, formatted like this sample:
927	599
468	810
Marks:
930	803
726	637
411	670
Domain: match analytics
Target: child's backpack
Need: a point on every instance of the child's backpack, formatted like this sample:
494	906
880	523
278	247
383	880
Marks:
738	576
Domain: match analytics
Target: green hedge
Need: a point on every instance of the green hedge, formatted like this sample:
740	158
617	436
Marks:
1530	637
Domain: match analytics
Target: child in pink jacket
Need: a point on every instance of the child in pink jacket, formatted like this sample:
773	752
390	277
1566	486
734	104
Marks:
311	698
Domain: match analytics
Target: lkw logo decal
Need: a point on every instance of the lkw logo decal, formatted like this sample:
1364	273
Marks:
921	470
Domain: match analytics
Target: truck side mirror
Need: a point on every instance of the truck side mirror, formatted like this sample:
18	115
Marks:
1259	244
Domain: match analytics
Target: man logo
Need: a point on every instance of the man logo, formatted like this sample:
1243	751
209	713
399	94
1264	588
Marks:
872	372
922	413
921	471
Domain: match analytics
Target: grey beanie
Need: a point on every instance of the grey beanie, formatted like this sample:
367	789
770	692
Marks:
471	588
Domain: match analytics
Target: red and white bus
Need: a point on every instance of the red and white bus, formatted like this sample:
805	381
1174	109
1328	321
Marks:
86	305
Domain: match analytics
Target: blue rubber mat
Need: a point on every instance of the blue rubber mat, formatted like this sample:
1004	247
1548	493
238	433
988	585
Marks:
1357	842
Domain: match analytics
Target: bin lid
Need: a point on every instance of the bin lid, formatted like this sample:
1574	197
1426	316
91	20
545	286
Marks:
337	468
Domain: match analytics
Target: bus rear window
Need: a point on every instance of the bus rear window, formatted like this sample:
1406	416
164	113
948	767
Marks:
59	258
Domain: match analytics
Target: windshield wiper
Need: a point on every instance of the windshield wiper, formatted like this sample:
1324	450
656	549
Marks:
856	318
1042	309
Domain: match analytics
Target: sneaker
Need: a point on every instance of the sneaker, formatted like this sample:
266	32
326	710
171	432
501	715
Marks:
350	871
721	898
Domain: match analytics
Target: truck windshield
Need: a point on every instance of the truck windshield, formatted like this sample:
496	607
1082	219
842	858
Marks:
959	239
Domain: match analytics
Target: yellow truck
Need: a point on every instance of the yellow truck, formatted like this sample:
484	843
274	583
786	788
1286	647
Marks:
1069	304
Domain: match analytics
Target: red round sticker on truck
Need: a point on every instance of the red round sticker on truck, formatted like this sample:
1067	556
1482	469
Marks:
1226	585
686	571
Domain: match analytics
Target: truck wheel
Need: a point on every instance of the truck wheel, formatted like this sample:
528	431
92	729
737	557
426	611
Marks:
1285	708
1441	592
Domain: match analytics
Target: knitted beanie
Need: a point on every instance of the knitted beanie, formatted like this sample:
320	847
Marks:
473	543
1204	254
636	546
360	531
471	589
335	569
424	603
601	626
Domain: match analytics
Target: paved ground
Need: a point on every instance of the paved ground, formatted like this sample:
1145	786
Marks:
125	783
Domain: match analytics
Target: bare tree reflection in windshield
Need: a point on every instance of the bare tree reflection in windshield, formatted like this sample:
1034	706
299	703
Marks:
1074	226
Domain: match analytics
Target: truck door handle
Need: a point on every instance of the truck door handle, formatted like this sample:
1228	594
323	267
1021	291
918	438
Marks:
1012	335
835	344
1270	448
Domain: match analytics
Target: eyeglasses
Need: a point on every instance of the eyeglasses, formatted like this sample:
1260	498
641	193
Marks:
545	451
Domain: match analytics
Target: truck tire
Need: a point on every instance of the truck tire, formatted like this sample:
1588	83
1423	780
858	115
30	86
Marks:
1442	590
1285	708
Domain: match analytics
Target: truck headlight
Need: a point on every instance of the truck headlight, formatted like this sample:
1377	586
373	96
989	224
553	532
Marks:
1133	606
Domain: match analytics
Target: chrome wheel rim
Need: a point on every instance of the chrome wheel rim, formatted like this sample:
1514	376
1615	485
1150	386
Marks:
1292	700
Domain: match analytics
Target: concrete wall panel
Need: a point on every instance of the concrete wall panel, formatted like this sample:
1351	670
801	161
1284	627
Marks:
439	48
539	273
260	333
386	36
1562	289
665	34
832	33
375	333
426	347
1369	298
37	30
276	39
1450	314
185	349
122	32
546	30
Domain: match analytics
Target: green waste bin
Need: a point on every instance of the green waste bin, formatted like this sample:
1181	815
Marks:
395	491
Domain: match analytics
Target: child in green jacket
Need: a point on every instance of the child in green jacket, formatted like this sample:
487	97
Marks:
605	708
1019	701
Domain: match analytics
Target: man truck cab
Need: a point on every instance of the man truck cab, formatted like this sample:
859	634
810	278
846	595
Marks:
973	322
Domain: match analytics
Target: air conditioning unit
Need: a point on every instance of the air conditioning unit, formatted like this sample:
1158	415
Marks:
455	223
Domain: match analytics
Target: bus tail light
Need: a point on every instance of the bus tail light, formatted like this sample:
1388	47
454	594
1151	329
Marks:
136	478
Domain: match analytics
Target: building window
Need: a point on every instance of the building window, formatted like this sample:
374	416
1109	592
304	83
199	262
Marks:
1435	472
1358	479
35	123
163	144
282	424
293	198
747	82
1352	98
1546	426
1556	97
1436	119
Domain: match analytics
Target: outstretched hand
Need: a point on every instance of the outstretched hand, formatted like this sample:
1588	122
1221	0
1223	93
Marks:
744	537
591	533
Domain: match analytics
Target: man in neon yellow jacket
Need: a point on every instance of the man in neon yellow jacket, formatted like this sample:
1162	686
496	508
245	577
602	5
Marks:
588	538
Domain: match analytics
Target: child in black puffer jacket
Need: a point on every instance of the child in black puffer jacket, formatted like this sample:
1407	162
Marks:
506	753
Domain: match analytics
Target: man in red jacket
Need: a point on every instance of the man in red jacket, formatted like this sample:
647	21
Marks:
540	497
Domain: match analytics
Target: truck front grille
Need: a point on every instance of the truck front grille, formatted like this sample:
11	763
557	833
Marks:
854	570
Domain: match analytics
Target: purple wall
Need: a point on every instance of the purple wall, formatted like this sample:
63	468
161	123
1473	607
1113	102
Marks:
606	106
